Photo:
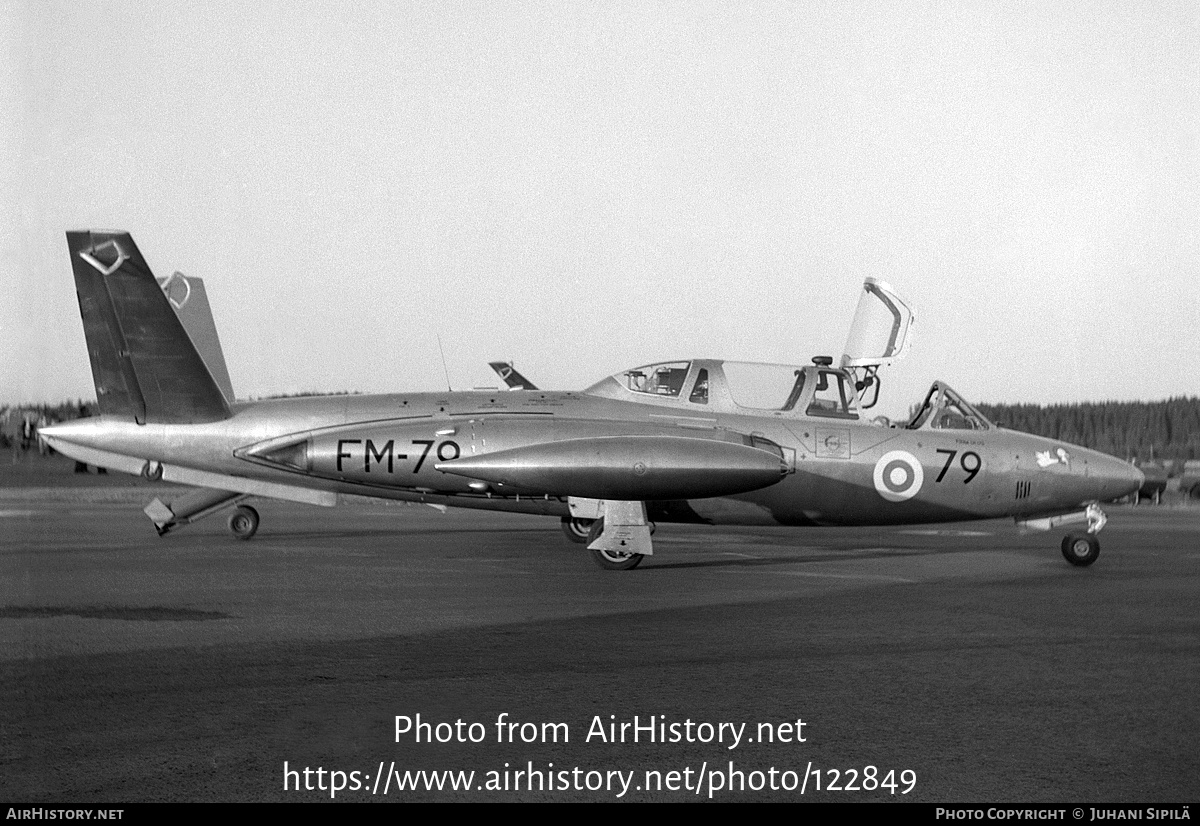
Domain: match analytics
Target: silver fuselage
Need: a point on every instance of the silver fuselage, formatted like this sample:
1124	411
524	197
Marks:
390	446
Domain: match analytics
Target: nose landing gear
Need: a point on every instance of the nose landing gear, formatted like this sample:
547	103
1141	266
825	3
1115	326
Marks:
1080	549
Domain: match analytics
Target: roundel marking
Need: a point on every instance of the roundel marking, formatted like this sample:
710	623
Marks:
898	476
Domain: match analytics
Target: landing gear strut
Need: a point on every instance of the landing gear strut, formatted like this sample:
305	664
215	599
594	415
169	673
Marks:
197	504
1082	549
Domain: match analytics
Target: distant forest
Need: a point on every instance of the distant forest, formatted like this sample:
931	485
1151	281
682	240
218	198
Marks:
1159	431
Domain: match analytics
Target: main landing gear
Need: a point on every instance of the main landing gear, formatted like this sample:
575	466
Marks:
611	560
586	531
577	530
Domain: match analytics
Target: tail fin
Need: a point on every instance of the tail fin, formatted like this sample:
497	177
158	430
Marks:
143	362
190	302
514	380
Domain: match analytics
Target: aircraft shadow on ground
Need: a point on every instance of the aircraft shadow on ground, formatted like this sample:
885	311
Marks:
775	561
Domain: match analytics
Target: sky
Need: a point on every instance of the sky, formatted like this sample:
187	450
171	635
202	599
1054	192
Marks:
585	187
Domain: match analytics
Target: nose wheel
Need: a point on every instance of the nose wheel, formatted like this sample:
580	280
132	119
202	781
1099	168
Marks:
1080	549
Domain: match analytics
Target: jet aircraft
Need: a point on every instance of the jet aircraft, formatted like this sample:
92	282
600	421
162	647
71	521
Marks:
687	441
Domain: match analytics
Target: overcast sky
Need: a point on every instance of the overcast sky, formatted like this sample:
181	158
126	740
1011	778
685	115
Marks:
583	187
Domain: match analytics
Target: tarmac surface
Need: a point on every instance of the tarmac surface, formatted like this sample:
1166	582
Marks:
192	667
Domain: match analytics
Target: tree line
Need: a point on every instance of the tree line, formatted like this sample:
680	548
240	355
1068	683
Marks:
1147	431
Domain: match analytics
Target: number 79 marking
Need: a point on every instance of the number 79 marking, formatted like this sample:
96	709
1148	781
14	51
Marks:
969	462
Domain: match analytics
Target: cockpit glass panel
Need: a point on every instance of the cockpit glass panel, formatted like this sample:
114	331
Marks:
944	409
658	379
953	416
830	397
700	388
760	386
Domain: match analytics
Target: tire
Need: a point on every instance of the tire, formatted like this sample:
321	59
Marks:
577	530
1080	549
611	560
243	522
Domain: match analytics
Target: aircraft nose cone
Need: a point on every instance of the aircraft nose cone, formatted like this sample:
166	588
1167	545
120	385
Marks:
1136	478
1117	478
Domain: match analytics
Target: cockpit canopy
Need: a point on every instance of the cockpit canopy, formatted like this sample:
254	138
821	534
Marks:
944	409
658	379
709	385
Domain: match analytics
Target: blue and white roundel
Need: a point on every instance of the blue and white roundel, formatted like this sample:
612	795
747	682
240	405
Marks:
898	476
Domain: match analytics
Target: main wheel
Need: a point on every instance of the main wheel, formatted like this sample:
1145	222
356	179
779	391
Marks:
577	530
243	522
611	560
1080	549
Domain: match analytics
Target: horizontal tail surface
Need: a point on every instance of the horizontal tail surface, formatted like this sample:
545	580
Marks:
144	364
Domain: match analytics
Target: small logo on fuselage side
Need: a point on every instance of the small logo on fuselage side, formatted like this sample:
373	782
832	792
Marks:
898	476
1046	459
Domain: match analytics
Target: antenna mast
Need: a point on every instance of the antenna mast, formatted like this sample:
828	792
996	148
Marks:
444	370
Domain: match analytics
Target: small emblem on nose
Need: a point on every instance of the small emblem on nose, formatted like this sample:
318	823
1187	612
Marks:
1046	458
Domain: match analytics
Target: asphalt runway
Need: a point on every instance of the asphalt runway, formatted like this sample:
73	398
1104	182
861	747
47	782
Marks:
967	658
